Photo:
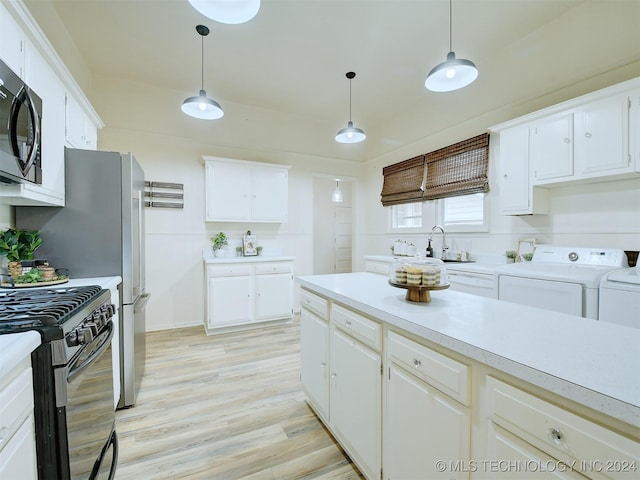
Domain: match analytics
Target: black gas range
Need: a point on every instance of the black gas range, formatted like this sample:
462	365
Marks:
72	376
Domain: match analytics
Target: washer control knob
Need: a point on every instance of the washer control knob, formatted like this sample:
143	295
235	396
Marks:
573	256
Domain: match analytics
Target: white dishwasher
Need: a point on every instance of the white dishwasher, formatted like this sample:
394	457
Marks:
561	279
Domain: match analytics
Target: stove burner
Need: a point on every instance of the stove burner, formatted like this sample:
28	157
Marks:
35	307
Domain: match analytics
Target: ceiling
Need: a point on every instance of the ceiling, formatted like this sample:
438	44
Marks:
293	56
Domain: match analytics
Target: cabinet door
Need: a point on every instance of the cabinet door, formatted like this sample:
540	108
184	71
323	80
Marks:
269	197
274	296
602	137
228	192
230	301
12	43
512	458
513	175
551	147
356	400
314	361
423	426
18	457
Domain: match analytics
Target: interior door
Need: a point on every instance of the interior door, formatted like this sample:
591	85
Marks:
342	239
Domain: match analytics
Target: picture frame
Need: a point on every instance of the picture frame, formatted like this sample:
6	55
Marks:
249	246
525	246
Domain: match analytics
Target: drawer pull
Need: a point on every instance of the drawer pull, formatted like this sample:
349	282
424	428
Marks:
348	323
555	434
417	363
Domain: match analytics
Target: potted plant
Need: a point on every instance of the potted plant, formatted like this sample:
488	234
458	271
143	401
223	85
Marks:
219	242
18	245
511	256
527	257
259	250
239	251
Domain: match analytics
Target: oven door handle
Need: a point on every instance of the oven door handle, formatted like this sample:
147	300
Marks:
77	370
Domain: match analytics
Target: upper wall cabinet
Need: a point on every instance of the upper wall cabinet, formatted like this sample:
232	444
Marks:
590	138
12	43
80	131
240	191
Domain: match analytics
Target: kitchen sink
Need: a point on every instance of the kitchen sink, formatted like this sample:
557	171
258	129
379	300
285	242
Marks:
452	260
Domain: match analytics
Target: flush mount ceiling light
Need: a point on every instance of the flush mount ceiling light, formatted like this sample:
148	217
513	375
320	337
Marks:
337	193
227	11
452	74
202	106
350	134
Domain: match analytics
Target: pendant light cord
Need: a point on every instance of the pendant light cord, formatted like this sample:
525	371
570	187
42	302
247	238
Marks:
349	99
202	61
450	27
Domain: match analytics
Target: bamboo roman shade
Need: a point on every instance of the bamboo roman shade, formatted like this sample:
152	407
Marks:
404	182
459	169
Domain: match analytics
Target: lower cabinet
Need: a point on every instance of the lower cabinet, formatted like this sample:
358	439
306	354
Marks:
314	361
424	426
243	294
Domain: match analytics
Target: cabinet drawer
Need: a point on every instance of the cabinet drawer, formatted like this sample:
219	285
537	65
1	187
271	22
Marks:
264	268
315	303
361	328
228	270
447	375
562	434
16	403
376	267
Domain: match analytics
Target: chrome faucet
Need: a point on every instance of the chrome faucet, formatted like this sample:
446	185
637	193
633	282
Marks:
445	248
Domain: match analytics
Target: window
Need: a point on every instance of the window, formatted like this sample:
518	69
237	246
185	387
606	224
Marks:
406	215
465	213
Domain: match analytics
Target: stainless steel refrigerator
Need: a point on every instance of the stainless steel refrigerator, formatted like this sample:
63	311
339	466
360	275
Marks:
100	232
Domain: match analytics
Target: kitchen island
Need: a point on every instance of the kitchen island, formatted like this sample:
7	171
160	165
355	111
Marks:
511	378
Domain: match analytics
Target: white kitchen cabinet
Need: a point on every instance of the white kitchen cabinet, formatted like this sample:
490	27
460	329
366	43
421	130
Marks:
602	137
12	43
17	431
511	455
422	423
80	131
314	353
247	293
355	396
241	191
377	267
517	195
551	147
541	426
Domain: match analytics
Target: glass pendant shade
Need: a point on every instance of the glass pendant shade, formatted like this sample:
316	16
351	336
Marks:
452	74
337	194
227	11
202	107
350	134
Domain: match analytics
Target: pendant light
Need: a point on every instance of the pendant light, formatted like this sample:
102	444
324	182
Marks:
452	74
201	106
337	193
227	11
350	134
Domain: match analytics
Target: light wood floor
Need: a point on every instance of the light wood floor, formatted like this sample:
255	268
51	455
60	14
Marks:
225	407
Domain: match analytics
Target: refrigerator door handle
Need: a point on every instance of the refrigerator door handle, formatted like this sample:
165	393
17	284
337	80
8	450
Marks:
137	286
141	302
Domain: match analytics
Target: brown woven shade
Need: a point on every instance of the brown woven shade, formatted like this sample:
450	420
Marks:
403	182
459	169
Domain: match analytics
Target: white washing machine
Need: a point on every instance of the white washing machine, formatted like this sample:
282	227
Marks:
620	297
561	279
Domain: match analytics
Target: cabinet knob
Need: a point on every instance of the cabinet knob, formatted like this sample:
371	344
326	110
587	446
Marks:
567	140
587	134
323	364
416	363
555	434
505	176
348	323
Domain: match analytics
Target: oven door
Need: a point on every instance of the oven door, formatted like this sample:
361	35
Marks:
90	414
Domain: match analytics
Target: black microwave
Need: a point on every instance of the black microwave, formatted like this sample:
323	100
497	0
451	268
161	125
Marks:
20	130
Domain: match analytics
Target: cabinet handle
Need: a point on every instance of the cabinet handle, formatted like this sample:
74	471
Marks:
417	363
323	364
555	434
348	323
587	134
567	140
505	176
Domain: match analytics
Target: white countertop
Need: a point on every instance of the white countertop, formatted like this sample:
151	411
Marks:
14	348
592	363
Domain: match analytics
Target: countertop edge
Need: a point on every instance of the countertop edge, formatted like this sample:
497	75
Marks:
15	348
564	387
